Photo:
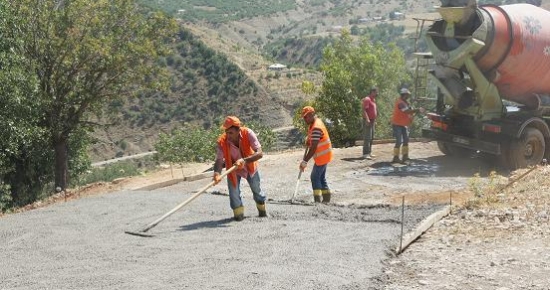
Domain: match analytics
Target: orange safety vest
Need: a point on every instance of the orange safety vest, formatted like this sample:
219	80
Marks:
399	117
323	153
246	150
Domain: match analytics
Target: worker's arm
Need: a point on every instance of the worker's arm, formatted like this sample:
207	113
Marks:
412	111
311	150
258	154
256	146
408	109
218	165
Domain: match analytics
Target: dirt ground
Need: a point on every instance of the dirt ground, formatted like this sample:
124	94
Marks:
500	241
347	244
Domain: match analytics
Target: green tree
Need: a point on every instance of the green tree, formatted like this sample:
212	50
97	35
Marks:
24	154
189	144
84	53
350	70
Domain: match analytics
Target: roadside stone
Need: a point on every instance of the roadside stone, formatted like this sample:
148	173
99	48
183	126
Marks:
424	282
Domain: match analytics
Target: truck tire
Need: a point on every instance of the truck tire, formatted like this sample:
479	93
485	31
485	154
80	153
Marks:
528	150
443	148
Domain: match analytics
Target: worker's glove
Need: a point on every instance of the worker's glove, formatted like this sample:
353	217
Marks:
217	178
303	165
239	163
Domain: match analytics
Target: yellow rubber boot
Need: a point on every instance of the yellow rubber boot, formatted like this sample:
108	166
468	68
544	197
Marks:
261	209
238	213
326	195
395	156
317	193
405	152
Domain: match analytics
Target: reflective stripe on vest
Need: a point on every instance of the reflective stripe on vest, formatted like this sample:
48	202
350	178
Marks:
326	151
399	117
323	153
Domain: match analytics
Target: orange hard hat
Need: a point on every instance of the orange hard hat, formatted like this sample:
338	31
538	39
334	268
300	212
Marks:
231	121
306	110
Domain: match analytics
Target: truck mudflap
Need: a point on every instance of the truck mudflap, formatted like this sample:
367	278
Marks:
470	143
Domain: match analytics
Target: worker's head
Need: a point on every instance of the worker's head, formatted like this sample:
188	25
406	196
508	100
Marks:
231	126
405	93
373	92
308	114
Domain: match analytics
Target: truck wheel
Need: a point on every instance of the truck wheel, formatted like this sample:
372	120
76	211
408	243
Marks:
443	147
527	150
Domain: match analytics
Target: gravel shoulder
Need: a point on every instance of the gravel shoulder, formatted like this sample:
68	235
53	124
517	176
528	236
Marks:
499	241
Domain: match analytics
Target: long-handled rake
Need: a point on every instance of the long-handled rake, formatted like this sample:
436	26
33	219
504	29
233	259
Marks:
143	232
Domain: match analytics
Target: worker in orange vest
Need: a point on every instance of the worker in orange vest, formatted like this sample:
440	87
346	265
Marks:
402	118
239	146
319	148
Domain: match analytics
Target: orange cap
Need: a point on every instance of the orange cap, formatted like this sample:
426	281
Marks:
231	121
306	110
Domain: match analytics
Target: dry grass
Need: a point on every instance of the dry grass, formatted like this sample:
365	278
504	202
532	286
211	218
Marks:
505	207
454	197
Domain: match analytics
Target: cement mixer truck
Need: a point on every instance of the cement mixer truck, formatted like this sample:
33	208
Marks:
492	73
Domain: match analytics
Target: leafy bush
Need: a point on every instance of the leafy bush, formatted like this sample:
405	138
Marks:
108	173
195	144
190	144
5	197
265	135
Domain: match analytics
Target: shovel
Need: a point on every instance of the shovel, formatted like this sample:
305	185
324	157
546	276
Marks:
297	183
143	232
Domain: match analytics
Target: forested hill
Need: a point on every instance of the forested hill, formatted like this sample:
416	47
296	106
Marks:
208	84
205	87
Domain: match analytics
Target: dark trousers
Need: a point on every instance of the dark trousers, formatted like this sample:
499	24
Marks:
401	134
368	136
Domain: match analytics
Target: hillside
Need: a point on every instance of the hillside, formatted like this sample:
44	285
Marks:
205	87
244	40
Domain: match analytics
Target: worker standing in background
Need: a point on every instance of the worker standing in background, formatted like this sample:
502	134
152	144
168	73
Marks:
319	148
402	118
369	121
239	146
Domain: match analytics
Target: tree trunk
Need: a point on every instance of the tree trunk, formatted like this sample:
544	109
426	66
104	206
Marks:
61	163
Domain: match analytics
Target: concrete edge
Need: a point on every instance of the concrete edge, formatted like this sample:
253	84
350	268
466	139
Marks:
421	228
160	184
171	182
199	176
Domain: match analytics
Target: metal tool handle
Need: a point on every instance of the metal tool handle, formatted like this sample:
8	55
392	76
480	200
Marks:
201	191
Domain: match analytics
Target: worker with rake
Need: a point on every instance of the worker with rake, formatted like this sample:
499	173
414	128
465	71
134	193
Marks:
319	148
238	146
